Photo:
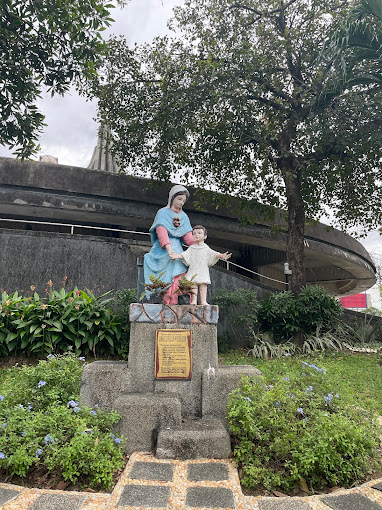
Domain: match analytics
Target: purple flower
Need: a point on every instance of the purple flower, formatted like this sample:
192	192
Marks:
49	439
117	440
93	412
23	433
81	358
41	383
300	410
76	409
1	398
21	406
3	425
38	452
2	455
111	435
29	407
247	398
286	379
51	356
72	403
277	404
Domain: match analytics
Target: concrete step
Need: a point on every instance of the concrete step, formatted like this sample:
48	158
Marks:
204	438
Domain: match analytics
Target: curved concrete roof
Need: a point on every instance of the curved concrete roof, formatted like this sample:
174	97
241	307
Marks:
72	194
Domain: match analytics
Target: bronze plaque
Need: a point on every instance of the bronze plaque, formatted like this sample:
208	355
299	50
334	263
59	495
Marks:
173	354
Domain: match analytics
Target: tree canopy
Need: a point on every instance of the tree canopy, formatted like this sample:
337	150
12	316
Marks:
44	43
237	101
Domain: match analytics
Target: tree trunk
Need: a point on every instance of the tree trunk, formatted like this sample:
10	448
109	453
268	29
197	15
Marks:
296	226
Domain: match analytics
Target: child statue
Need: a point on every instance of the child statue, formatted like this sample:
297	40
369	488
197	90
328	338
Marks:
199	257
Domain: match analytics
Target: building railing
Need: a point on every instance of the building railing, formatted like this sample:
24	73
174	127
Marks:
228	264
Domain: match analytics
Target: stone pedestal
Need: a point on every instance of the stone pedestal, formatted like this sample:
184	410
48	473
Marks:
167	415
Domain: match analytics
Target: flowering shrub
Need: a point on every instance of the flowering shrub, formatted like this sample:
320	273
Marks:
297	428
62	320
42	424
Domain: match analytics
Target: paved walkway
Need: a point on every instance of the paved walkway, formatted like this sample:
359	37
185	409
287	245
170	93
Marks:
148	483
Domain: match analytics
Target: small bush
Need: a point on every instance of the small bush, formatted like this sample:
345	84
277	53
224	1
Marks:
42	424
317	309
363	331
283	315
277	314
298	428
239	311
62	320
122	301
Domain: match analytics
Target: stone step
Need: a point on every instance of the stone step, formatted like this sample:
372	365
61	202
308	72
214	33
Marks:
204	438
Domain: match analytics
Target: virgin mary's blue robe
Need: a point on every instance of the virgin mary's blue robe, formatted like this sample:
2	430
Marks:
158	260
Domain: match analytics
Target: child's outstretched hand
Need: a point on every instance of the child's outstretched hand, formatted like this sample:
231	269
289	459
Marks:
226	255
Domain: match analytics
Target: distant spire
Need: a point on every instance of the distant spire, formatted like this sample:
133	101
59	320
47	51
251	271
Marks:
101	159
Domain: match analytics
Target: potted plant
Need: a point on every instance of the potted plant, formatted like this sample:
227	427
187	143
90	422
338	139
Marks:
185	287
157	289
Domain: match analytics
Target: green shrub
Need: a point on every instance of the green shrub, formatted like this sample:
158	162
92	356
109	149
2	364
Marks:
363	331
42	424
277	314
238	309
317	309
76	320
283	315
296	428
122	301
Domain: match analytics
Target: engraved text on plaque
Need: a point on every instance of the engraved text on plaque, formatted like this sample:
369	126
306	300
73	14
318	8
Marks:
173	354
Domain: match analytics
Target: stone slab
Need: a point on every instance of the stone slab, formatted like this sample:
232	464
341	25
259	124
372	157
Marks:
194	439
158	471
218	384
377	486
7	495
351	502
283	504
172	314
212	471
141	417
58	502
210	497
142	363
102	382
150	496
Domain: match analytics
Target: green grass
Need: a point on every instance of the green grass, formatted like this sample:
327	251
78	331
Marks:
359	376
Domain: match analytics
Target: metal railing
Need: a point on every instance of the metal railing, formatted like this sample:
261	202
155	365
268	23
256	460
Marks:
72	226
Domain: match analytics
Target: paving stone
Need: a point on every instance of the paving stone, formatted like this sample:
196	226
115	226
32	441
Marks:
58	502
152	471
282	504
351	502
377	486
150	496
209	497
7	494
207	471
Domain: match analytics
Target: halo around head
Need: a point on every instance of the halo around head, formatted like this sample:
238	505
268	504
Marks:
178	188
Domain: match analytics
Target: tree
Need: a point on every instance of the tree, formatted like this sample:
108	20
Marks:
357	47
43	43
235	104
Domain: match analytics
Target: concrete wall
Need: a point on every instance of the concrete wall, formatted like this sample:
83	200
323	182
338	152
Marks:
33	258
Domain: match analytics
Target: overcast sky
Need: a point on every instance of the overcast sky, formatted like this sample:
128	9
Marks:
71	132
